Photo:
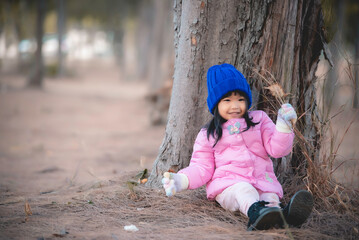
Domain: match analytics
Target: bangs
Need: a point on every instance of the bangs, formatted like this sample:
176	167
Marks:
240	93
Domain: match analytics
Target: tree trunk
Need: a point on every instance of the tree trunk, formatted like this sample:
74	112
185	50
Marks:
37	77
160	64
160	48
356	70
332	81
60	36
283	38
144	36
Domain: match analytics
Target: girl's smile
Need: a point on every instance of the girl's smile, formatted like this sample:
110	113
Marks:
233	106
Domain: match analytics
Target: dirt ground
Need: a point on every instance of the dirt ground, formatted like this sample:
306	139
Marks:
68	150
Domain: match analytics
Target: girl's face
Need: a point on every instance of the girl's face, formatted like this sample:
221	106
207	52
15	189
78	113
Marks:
233	106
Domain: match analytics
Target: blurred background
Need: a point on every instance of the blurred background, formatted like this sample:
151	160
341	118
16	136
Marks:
49	39
85	87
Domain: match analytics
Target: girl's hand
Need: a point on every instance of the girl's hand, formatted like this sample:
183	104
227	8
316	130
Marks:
174	183
286	118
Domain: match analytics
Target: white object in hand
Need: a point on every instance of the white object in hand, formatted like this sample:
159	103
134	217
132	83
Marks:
286	118
174	183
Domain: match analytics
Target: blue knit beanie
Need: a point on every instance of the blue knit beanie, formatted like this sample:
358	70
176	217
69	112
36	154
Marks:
222	79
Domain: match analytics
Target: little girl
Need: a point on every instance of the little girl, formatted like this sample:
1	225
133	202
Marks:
230	155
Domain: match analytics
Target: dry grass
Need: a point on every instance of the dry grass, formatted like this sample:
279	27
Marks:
102	209
318	166
330	194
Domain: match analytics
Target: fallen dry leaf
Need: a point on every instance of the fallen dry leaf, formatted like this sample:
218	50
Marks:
277	91
28	211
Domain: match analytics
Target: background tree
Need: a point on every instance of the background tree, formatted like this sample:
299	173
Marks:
60	35
11	17
114	16
342	31
269	42
157	54
36	78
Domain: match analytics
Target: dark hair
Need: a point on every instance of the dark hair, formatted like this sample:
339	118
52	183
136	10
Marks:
214	127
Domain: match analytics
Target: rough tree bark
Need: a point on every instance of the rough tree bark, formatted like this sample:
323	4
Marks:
283	38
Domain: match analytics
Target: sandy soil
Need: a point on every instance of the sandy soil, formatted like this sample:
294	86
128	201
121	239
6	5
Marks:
75	131
69	149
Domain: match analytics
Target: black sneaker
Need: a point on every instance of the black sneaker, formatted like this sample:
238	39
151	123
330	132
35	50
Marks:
299	208
262	217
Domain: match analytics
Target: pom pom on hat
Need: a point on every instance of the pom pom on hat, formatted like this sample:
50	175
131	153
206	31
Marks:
222	79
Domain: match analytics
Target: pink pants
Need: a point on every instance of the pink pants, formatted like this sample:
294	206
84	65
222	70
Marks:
241	196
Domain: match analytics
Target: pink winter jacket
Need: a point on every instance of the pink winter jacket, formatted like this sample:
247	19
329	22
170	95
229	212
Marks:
239	157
